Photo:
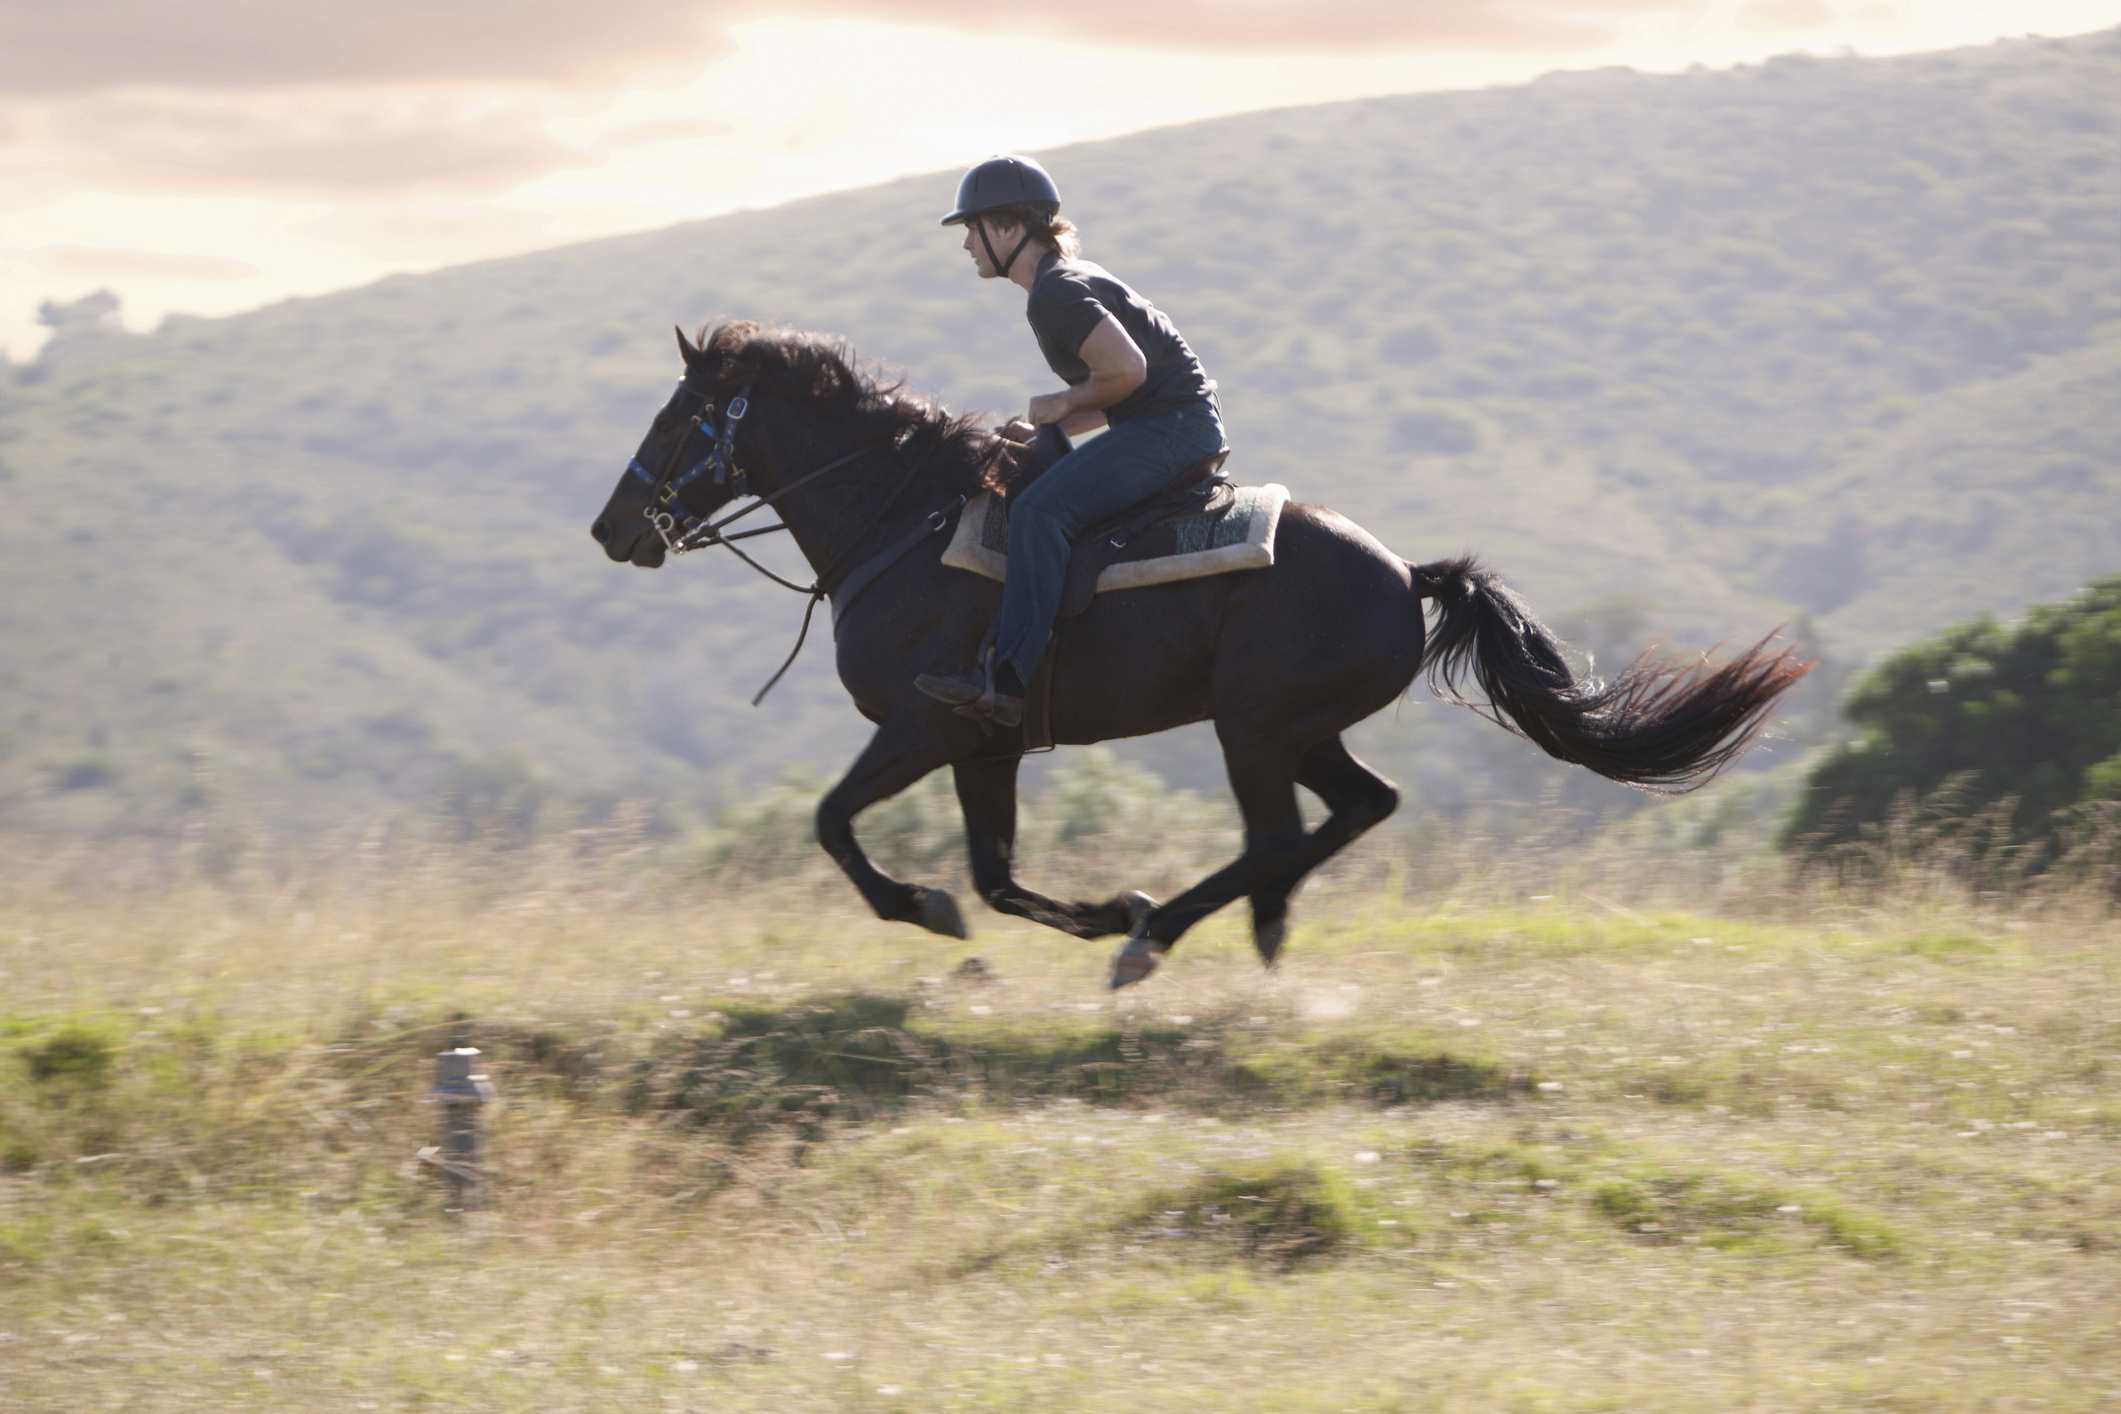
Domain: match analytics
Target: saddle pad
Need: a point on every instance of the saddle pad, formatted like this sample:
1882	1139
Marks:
1238	535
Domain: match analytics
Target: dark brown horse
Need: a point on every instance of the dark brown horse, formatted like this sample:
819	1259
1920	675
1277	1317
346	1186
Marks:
1283	660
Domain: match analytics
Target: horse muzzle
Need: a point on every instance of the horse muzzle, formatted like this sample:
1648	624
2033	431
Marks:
642	549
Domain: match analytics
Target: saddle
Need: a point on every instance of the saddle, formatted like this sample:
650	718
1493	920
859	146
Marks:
1201	525
1200	492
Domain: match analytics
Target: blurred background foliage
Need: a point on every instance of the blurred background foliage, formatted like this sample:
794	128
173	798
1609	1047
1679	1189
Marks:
1827	343
2020	722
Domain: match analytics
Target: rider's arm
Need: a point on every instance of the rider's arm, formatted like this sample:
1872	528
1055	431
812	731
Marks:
1116	367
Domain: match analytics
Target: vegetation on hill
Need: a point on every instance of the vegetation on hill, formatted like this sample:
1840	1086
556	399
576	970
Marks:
1830	343
2019	720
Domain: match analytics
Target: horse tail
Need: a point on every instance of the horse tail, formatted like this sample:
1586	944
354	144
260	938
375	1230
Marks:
1662	726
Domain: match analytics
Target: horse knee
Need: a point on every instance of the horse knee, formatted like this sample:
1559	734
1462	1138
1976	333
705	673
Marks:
1376	805
834	826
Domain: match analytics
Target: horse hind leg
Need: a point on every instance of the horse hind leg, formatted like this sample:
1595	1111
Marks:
1266	795
986	791
1358	799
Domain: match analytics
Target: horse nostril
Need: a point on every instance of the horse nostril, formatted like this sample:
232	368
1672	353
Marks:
601	530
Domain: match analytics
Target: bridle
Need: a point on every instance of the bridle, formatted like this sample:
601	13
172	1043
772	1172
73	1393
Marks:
682	533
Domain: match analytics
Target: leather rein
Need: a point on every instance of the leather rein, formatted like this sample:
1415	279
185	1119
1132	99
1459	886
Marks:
681	536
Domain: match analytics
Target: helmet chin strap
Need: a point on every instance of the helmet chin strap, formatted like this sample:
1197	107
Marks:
1001	266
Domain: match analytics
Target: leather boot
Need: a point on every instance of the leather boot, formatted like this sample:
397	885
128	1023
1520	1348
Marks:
974	694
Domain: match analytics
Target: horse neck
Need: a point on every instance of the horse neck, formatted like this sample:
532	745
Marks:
830	517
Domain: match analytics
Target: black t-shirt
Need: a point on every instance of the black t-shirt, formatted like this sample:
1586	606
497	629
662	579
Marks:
1071	297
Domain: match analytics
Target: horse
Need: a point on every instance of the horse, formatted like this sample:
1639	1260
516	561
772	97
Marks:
1282	659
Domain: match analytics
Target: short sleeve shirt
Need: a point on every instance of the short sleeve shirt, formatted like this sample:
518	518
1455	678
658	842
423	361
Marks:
1070	298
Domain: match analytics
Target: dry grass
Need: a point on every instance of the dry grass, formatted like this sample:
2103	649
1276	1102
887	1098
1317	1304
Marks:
1472	1149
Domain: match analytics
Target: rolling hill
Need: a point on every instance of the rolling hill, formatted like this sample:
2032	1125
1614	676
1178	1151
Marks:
1827	342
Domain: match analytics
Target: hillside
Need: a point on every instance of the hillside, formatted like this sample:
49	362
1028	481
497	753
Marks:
1828	342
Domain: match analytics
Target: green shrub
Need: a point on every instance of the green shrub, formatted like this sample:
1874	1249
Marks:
2000	733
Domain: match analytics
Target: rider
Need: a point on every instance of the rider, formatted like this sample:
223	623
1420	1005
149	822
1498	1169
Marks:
1127	369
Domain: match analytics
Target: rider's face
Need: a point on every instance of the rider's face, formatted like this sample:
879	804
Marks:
1004	235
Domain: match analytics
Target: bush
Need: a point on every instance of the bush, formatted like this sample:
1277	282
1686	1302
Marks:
2015	727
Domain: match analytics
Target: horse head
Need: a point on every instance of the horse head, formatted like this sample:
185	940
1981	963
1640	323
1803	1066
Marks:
685	468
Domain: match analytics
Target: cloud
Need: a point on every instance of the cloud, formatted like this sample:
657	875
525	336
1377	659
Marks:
49	46
97	262
661	130
1786	14
58	46
342	148
1279	24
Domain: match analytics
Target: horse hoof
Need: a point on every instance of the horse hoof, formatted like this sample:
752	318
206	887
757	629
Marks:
1139	906
1267	937
1136	959
939	914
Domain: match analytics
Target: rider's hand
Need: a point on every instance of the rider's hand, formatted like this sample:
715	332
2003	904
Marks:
1017	430
1049	407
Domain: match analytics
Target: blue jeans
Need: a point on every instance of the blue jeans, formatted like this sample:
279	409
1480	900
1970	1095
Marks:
1130	462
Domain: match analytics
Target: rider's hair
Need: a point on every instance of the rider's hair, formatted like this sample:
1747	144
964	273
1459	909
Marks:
1056	231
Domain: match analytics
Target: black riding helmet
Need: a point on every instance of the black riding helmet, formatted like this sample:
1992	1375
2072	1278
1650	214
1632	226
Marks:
998	182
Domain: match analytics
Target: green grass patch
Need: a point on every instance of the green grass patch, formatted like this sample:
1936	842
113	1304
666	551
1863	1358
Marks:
1385	1068
1278	1213
1563	930
858	1056
71	1057
1946	945
1731	1211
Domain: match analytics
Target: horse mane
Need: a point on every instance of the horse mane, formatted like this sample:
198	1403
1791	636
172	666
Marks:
821	371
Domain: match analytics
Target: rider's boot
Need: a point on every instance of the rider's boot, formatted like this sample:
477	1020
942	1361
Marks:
989	692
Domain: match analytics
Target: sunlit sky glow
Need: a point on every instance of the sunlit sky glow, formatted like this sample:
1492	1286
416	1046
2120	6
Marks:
221	154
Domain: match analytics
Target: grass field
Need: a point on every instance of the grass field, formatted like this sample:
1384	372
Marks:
1681	1146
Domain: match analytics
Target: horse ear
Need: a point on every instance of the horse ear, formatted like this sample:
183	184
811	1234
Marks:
692	355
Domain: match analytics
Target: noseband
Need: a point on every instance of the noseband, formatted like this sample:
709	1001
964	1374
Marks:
679	530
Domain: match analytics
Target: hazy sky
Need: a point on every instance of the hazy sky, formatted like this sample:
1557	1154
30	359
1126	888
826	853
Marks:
214	155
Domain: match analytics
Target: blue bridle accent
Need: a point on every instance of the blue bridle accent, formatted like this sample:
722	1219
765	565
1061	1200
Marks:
719	460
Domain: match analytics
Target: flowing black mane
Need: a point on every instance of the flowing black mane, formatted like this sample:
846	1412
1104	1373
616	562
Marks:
821	371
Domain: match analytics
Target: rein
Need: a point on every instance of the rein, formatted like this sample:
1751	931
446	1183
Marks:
696	534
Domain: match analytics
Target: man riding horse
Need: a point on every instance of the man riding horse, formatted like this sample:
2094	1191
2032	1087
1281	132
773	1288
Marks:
1282	658
1128	370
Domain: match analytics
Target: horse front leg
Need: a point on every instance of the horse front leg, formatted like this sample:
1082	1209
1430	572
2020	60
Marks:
902	751
986	791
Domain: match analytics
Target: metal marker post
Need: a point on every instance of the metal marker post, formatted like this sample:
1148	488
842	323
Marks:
461	1093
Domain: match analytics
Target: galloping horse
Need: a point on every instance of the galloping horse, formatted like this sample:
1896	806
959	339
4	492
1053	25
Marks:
1282	659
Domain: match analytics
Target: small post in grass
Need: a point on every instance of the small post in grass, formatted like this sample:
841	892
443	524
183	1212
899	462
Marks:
461	1092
